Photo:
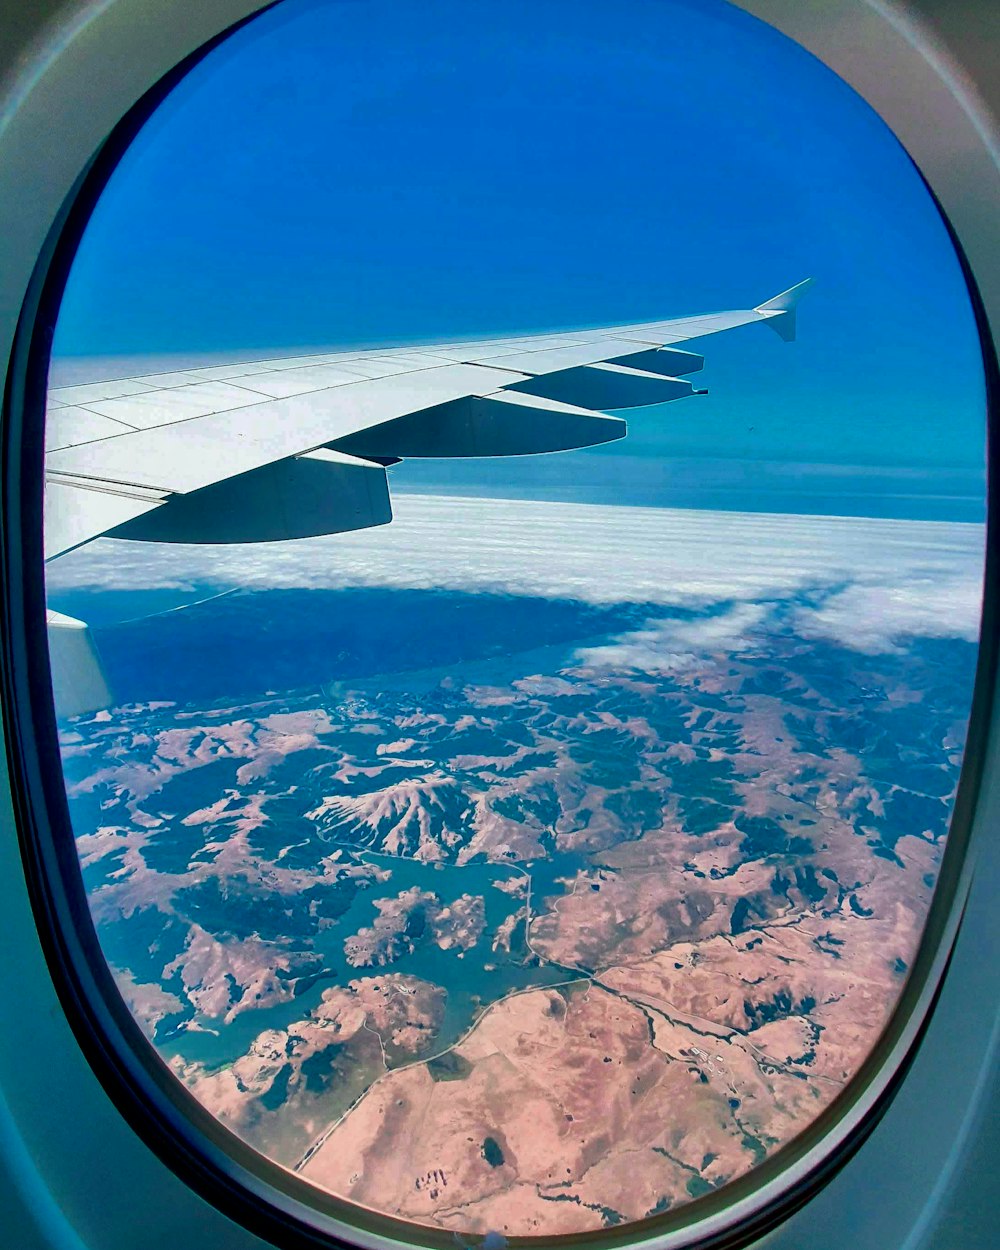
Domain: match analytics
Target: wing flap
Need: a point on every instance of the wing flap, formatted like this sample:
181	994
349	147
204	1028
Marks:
505	423
321	492
672	362
606	386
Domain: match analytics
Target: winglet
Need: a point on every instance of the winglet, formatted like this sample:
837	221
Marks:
780	311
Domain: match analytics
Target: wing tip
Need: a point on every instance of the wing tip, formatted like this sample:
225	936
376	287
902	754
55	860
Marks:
779	311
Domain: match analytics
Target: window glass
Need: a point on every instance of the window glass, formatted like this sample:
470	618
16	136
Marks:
548	852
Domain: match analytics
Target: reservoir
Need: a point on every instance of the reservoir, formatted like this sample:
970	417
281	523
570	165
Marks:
473	978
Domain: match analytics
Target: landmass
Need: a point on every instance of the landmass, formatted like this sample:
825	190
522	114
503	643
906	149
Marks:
412	917
527	950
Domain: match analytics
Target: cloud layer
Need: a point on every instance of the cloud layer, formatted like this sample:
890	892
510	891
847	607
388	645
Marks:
869	582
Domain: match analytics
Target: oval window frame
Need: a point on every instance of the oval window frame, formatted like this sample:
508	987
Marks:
229	1173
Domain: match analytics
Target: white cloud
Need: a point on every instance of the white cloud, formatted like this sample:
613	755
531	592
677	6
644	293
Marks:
875	580
877	618
667	645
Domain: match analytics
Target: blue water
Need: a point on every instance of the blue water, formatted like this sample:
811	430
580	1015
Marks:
926	492
473	978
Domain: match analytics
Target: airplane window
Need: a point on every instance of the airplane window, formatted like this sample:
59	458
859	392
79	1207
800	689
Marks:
511	701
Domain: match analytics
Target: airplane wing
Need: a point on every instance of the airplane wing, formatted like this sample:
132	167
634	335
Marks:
295	447
290	448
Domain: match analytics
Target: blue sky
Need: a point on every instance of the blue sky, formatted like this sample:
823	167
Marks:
360	172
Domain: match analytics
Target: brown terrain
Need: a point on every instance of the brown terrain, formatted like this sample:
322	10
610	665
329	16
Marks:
675	1068
745	848
358	1029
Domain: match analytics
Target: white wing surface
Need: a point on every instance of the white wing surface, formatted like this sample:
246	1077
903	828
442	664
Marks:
288	448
